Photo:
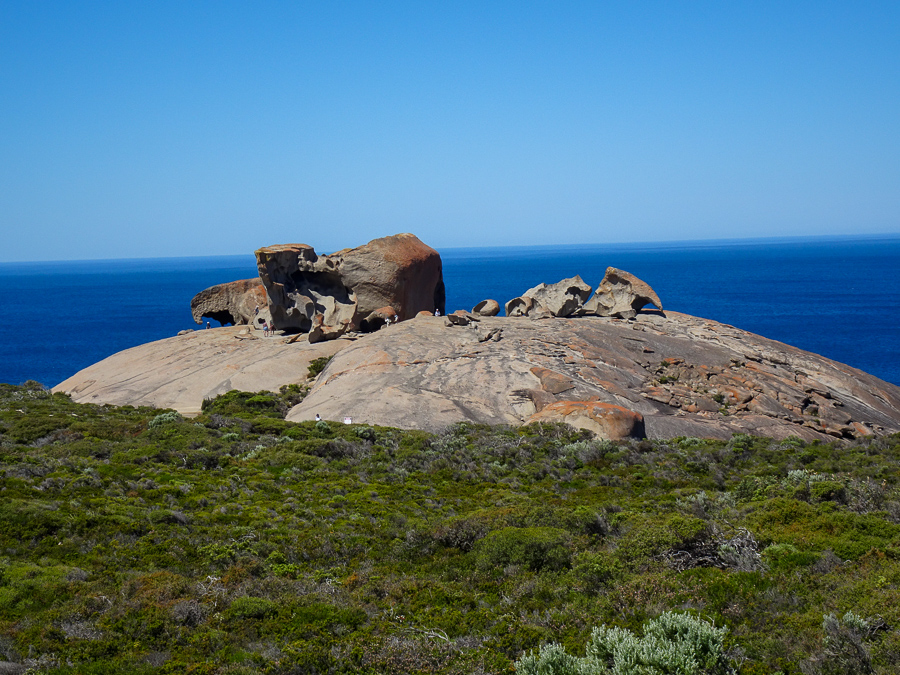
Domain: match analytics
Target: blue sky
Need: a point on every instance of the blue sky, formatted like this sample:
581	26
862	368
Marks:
142	129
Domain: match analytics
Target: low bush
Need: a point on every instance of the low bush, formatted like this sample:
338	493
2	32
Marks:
536	548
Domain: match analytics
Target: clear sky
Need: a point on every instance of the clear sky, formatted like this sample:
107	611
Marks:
143	129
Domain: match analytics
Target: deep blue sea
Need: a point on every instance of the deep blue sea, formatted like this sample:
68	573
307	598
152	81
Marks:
839	297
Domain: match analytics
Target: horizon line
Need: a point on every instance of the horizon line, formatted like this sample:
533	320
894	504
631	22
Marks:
737	241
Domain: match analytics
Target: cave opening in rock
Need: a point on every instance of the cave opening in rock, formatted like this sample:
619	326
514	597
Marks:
224	317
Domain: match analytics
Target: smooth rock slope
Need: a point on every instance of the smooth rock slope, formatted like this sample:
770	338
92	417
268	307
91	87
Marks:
179	372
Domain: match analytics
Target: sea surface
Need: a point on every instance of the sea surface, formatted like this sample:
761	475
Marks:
839	296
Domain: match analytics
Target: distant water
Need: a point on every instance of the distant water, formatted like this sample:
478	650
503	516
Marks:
839	297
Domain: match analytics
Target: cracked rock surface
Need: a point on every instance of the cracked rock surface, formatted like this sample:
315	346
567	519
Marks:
685	376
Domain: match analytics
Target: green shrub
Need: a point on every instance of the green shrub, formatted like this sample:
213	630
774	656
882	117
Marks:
316	366
786	557
828	491
650	537
246	405
536	548
251	608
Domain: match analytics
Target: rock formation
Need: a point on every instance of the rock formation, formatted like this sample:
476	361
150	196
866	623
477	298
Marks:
348	286
561	298
657	374
487	308
622	295
232	303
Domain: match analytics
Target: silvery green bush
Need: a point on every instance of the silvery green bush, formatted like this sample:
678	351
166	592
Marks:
165	418
672	644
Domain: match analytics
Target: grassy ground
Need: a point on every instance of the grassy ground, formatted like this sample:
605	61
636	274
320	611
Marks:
134	541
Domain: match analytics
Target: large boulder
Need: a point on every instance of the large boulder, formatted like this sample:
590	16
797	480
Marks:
562	298
605	420
233	303
347	286
621	295
487	308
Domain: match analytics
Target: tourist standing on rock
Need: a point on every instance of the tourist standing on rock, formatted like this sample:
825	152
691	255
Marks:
265	329
207	325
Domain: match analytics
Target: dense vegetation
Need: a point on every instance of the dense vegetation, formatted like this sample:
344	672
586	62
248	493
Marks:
136	541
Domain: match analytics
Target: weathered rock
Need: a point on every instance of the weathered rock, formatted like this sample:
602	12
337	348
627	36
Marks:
399	271
521	306
347	286
459	318
562	298
620	294
320	332
232	303
487	308
301	284
604	419
179	372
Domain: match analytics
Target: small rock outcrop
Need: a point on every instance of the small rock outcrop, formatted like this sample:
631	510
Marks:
348	286
521	306
459	318
562	298
320	331
232	303
487	308
604	419
621	295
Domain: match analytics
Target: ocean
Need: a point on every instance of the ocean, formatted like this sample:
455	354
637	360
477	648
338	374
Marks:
836	296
